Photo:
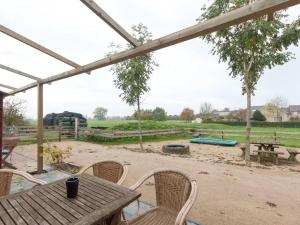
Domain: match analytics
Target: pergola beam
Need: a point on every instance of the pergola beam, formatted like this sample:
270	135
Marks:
37	46
1	126
8	87
110	21
40	127
251	11
19	72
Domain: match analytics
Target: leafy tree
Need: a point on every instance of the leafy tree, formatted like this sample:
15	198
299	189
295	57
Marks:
132	75
14	112
206	110
100	113
258	116
159	114
187	115
251	48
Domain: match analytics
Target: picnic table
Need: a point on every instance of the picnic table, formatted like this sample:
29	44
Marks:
267	148
266	145
98	202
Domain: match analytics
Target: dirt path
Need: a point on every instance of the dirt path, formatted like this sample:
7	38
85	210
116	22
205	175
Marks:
229	192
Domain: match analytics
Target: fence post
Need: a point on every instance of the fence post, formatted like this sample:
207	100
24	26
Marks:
76	127
59	132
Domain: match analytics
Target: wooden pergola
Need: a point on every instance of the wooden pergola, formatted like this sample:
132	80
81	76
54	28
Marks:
237	16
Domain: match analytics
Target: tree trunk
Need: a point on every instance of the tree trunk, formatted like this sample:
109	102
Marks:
139	125
248	119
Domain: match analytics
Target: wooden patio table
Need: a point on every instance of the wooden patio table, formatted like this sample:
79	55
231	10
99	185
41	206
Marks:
98	202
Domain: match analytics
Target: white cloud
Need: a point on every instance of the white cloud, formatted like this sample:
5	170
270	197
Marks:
188	73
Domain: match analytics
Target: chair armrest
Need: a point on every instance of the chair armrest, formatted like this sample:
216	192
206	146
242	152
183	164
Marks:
141	181
27	176
124	175
83	169
180	220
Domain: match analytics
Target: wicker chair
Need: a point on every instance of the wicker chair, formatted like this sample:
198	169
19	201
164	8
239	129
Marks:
8	146
175	195
109	170
6	176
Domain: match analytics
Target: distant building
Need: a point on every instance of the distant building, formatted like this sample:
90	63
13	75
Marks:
221	113
294	110
254	108
282	115
197	120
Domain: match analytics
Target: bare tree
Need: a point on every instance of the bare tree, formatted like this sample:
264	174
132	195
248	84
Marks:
277	106
239	115
14	111
206	110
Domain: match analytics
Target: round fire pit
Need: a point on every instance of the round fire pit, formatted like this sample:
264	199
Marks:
176	149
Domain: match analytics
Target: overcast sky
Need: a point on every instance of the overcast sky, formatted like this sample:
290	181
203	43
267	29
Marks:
188	74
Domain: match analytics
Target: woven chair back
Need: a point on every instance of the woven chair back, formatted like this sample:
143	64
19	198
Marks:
5	182
172	189
111	171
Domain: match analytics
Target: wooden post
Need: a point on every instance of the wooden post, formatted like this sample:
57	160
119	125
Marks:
59	132
40	133
76	127
1	127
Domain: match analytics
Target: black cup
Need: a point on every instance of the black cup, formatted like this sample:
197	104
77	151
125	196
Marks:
72	187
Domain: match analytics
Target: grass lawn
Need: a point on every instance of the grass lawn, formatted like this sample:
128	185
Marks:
135	140
148	125
151	125
107	123
132	125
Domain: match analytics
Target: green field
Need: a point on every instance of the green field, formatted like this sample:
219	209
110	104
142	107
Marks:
149	125
132	125
127	125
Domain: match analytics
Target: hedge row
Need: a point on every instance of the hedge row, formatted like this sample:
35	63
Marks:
291	124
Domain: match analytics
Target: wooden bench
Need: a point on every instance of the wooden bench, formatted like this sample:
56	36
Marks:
274	154
293	153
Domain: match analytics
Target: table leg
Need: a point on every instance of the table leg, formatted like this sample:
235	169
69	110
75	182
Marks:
116	219
292	157
276	159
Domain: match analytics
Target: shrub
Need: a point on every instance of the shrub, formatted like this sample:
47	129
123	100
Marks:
258	116
56	155
159	114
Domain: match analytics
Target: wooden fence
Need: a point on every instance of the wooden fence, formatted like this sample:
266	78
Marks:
255	135
51	133
109	134
27	133
264	135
